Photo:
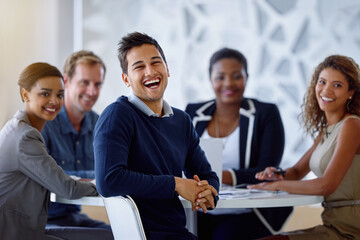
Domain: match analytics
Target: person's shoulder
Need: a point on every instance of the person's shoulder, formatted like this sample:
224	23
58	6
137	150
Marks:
20	125
352	121
18	130
259	102
93	116
351	126
15	128
26	133
120	108
261	105
192	107
15	134
199	104
181	117
120	103
178	113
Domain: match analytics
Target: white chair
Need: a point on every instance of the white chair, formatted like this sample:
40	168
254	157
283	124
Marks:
124	218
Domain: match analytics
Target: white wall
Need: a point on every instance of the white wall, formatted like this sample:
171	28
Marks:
283	41
30	31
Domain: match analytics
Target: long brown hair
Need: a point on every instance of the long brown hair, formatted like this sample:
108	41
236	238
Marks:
313	117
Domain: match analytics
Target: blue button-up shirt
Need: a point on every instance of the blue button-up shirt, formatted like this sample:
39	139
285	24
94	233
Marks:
72	150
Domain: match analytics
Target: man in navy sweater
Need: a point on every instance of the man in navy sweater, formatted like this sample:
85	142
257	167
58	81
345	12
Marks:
142	146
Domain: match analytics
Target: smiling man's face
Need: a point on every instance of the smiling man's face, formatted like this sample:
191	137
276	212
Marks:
83	89
147	74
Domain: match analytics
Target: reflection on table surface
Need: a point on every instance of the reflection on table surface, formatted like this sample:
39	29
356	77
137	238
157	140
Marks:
89	201
228	198
252	198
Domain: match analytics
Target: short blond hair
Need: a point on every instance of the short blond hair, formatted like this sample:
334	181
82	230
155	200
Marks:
82	56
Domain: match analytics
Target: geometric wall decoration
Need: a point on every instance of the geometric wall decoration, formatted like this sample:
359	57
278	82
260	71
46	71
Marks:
283	41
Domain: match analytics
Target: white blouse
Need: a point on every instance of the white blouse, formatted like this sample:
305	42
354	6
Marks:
231	148
231	159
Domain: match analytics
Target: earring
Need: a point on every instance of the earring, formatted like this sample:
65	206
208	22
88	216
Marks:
350	97
348	104
26	99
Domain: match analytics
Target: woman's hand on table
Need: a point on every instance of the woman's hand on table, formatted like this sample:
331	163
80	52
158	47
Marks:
270	174
268	186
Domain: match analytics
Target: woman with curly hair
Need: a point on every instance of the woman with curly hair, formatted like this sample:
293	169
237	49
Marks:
331	115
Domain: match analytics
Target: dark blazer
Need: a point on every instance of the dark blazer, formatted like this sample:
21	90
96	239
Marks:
261	143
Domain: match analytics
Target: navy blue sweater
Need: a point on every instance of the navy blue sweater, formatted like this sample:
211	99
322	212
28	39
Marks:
138	155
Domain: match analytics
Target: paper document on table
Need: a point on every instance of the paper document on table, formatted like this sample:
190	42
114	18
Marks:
245	193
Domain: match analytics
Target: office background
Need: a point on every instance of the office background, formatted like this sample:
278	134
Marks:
283	41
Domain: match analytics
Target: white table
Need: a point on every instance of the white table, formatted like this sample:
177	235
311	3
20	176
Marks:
231	198
89	201
245	198
250	199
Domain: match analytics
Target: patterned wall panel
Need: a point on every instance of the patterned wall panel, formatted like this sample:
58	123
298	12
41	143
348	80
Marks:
283	40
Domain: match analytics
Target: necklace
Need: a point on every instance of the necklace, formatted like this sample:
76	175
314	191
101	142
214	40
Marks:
330	129
217	129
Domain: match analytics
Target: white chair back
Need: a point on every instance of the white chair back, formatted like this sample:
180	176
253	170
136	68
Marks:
213	148
124	218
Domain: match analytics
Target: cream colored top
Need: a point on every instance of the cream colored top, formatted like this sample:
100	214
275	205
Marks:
349	189
338	222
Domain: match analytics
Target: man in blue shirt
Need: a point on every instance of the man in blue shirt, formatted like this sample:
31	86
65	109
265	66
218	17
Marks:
69	138
142	146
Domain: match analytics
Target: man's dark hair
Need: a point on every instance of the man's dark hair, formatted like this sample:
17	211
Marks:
131	40
228	53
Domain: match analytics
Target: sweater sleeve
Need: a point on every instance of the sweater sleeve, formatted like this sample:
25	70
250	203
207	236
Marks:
113	138
36	163
268	144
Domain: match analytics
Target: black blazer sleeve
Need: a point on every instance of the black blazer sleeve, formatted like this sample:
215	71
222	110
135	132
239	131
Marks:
267	143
